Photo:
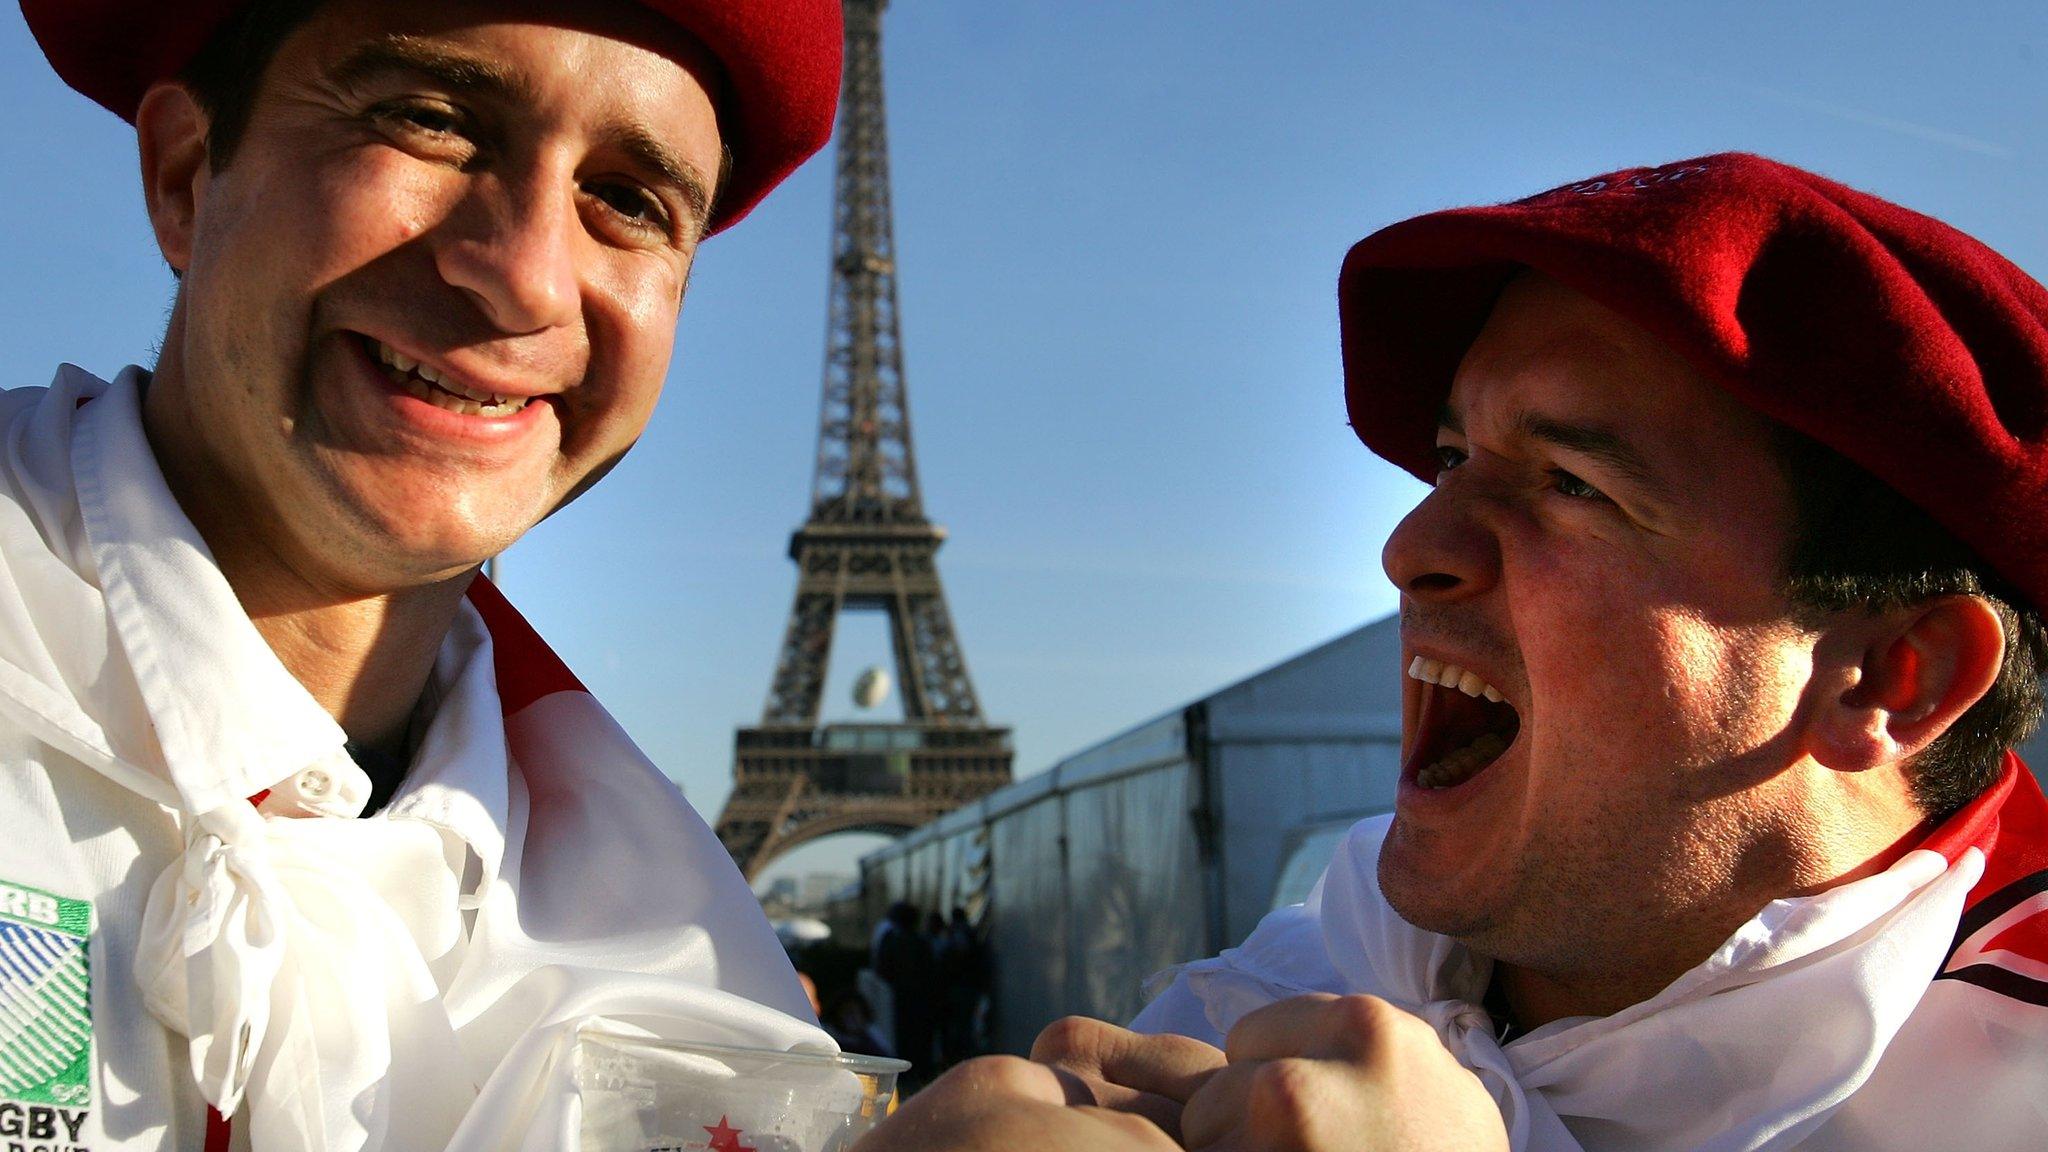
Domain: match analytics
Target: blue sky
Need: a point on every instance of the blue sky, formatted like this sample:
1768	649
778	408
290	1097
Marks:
1118	230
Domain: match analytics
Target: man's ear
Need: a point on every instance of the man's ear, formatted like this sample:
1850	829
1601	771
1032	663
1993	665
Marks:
1904	676
170	128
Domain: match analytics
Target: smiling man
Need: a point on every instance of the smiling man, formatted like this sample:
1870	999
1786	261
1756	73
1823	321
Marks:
311	842
1719	624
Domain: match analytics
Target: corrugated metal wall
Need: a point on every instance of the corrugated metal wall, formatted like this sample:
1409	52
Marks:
1136	886
1028	931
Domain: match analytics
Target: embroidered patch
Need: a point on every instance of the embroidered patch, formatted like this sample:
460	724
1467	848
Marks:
45	1012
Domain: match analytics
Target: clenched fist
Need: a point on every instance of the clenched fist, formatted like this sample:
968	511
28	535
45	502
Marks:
1340	1072
1004	1104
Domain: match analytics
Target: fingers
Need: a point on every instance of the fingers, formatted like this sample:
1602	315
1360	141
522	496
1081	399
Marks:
1215	1112
1002	1103
1291	1103
1339	1072
1005	1077
1163	1112
1126	1071
1166	1065
1320	1025
1123	1132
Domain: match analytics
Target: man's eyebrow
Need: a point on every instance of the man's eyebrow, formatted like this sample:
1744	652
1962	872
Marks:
403	53
1608	447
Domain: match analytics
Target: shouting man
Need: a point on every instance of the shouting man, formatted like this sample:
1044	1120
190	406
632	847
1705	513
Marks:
1720	624
429	262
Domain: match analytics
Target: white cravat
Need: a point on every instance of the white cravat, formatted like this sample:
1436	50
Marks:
1749	1051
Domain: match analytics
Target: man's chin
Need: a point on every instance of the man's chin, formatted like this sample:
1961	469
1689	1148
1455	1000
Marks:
388	554
1430	898
440	530
413	563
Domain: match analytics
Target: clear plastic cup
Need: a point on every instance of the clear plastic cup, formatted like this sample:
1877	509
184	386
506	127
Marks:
646	1095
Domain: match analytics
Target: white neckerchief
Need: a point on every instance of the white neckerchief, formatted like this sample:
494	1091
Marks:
1751	1050
317	966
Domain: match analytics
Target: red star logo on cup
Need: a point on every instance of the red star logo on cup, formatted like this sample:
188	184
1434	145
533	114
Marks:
725	1138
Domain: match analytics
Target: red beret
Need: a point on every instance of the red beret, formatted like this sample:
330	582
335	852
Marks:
781	58
1906	346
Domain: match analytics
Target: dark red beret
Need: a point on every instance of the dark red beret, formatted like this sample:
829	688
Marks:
1908	347
781	59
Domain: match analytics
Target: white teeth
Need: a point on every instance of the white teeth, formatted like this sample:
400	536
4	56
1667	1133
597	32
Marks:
453	403
460	389
1451	676
396	359
452	395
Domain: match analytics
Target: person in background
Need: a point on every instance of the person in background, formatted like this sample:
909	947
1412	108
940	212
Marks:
963	973
904	962
938	994
851	1023
886	926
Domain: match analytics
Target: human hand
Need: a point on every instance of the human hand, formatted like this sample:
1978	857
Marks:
1005	1104
1340	1072
1149	1076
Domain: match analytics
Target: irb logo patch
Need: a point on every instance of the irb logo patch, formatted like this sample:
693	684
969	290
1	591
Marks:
45	999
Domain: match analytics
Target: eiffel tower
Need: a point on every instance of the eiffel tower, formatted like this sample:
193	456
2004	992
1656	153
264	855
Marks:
866	546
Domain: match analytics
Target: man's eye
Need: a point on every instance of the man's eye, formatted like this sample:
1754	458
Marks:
430	130
1570	485
636	205
433	119
438	119
1448	458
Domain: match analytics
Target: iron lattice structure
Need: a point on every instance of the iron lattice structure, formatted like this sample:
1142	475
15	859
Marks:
867	545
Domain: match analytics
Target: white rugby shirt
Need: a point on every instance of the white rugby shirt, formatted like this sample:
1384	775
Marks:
407	980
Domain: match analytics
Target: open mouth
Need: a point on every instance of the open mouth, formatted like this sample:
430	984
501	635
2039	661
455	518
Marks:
423	382
1464	724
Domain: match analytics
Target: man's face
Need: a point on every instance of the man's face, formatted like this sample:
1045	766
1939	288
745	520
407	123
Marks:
1602	549
433	294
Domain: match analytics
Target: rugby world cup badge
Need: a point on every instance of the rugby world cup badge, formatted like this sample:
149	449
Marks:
45	1019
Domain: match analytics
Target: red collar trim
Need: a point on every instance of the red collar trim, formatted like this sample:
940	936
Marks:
2008	822
527	668
1976	823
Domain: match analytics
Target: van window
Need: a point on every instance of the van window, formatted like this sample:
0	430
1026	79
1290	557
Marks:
1305	865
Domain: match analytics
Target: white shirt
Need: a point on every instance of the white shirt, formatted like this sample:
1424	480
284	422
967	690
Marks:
1906	1010
408	980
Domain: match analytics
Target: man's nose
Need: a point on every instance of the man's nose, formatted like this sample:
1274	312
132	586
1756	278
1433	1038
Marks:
514	255
1444	550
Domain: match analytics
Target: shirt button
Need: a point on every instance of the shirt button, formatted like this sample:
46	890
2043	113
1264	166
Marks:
314	784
